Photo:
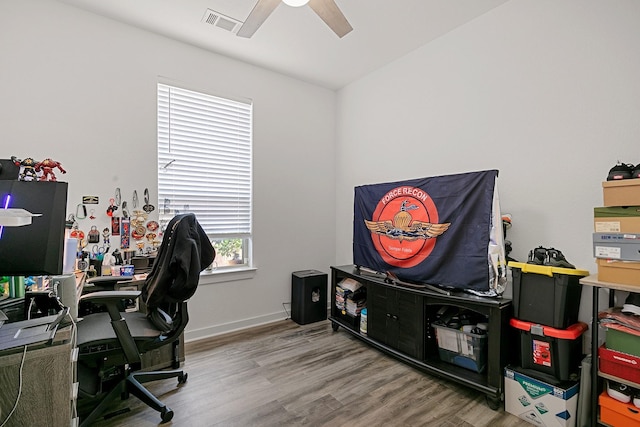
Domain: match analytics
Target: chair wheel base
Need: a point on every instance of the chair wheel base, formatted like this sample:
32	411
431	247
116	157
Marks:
166	414
183	378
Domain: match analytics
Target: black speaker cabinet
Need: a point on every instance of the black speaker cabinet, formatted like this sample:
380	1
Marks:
308	296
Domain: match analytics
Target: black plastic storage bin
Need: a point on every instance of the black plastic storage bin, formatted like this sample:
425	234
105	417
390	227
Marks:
546	295
308	296
553	352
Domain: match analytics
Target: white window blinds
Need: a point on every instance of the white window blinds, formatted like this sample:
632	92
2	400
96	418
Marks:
204	160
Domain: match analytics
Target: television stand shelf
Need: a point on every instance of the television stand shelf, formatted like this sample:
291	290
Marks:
399	324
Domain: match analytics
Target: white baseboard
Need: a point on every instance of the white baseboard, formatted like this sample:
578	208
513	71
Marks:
211	331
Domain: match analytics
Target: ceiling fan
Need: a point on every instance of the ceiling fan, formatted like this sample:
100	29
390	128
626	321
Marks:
327	10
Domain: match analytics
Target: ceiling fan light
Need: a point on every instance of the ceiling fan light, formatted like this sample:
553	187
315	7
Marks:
295	3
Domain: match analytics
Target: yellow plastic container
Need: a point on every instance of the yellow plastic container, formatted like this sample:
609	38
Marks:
546	295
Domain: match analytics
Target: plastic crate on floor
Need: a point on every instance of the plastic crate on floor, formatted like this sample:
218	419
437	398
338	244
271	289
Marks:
555	352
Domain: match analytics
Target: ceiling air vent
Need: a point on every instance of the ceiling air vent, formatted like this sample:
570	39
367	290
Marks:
219	20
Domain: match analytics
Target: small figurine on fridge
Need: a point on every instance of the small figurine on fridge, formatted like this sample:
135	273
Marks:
27	168
47	166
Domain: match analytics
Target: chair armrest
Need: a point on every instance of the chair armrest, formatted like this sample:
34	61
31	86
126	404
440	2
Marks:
105	297
111	300
109	279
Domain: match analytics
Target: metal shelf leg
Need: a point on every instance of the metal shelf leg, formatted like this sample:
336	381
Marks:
594	357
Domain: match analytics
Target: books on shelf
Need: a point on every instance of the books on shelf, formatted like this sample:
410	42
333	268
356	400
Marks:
355	303
340	300
349	284
351	297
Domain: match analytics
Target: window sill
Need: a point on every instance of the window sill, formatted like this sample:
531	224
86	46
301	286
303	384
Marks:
227	275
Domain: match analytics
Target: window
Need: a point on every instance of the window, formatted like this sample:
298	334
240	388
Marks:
204	167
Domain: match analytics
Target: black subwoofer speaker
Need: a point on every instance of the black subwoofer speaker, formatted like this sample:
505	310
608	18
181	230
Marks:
308	296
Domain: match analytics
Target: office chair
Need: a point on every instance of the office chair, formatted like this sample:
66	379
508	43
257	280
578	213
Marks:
111	343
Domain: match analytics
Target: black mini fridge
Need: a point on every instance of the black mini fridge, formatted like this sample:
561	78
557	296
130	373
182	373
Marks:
308	296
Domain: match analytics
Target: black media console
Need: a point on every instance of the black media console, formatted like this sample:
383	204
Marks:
399	323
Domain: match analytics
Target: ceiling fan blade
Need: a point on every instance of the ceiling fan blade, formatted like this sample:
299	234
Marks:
258	15
330	13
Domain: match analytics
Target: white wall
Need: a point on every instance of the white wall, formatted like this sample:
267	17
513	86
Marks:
82	89
546	91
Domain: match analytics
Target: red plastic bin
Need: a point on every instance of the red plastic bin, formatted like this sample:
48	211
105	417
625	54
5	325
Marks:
555	352
621	365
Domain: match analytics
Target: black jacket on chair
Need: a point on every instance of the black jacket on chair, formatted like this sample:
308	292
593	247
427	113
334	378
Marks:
112	343
185	251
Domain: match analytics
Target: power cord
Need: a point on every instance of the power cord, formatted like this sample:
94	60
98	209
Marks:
29	311
24	356
285	310
74	347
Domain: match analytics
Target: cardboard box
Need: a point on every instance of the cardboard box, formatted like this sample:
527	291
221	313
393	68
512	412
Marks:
540	403
617	271
616	413
623	246
624	192
616	219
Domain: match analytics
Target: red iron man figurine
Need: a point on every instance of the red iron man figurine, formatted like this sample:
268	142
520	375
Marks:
47	166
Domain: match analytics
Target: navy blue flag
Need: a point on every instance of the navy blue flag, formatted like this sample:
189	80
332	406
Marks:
432	230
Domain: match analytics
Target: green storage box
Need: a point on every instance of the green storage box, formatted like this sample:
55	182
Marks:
623	342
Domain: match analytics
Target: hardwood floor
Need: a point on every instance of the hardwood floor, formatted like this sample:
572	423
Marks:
285	374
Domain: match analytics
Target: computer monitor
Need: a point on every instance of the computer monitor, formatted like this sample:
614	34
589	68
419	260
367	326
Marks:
35	249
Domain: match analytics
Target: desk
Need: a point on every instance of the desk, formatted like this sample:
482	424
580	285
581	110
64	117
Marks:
49	384
597	285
